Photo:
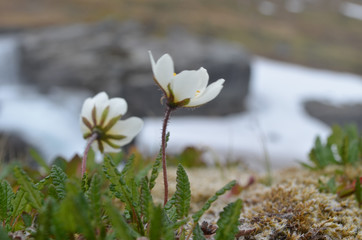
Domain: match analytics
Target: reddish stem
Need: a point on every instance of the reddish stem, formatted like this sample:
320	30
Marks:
85	155
164	126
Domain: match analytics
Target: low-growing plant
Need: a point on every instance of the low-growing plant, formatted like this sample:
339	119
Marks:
111	204
66	201
342	149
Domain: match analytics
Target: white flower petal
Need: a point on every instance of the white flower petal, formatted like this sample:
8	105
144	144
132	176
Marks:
87	108
163	70
101	102
129	128
204	79
185	85
117	106
209	94
101	97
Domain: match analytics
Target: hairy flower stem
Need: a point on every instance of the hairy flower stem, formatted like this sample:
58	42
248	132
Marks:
163	147
85	155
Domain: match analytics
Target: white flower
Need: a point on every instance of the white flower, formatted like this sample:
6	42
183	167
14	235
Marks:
102	116
186	89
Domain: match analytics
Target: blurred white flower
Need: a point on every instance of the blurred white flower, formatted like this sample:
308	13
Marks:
186	89
100	119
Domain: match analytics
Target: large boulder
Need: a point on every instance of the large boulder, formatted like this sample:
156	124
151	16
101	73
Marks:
332	114
113	57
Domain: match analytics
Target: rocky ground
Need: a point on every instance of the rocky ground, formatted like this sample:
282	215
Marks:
291	208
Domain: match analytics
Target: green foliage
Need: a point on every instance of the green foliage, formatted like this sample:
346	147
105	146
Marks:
58	178
108	204
358	190
33	195
329	187
157	165
183	193
39	159
19	202
229	221
6	197
342	148
198	234
3	234
120	226
196	217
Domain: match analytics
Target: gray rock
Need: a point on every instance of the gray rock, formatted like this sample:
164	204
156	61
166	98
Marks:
14	148
331	114
113	57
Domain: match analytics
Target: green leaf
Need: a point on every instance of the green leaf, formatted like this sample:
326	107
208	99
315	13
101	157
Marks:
156	226
58	177
94	198
122	190
74	211
183	193
196	217
39	159
358	192
128	166
3	234
198	234
229	221
45	220
121	228
6	197
19	202
353	150
34	196
170	210
155	170
146	202
321	155
85	182
336	136
157	166
331	185
27	219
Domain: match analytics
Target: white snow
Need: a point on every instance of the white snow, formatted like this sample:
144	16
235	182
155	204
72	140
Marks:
352	10
275	117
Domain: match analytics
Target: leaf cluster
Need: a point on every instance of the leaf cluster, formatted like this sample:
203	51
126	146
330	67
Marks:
110	203
343	147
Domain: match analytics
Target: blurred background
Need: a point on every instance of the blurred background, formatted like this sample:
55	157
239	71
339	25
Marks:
293	68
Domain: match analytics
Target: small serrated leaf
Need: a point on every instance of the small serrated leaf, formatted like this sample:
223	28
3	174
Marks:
34	196
58	178
229	221
196	217
157	166
6	197
146	201
156	226
197	233
19	202
121	228
183	193
94	197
